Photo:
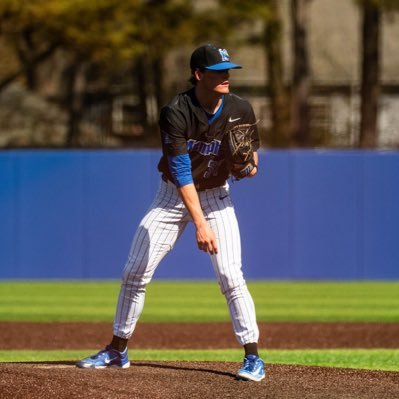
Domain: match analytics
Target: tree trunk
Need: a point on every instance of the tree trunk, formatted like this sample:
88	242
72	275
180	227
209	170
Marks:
370	86
76	83
301	75
26	51
158	79
28	67
279	98
141	87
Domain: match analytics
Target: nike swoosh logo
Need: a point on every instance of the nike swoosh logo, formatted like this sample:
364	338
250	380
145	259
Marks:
108	361
233	120
223	197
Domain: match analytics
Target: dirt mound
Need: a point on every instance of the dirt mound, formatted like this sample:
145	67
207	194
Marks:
202	380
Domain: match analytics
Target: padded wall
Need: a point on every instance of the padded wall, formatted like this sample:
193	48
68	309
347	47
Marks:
307	215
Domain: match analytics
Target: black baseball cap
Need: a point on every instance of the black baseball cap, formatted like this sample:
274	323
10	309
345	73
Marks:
211	57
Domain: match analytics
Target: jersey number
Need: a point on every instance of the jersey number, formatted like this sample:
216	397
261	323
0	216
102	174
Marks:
212	170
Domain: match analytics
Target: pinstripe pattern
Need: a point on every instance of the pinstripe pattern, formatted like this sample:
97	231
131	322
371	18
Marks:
155	237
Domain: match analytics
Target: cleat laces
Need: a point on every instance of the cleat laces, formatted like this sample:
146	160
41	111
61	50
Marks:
250	363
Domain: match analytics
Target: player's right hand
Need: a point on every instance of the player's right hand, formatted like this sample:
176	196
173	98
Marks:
206	239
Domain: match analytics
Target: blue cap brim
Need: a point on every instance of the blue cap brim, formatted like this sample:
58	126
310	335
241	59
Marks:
223	65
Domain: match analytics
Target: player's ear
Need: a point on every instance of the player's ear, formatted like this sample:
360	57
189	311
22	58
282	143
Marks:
199	73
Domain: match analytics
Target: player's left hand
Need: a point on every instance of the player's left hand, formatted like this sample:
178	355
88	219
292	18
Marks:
253	172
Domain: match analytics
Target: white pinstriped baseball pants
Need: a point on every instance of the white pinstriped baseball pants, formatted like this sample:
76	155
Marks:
155	237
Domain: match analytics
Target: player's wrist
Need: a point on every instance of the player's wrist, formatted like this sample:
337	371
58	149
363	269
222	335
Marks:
254	171
201	223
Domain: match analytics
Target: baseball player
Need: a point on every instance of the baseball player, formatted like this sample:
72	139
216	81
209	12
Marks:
193	188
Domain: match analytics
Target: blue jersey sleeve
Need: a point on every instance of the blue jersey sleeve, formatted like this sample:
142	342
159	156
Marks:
180	168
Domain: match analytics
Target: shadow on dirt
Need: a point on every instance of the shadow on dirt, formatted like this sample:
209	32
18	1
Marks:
138	364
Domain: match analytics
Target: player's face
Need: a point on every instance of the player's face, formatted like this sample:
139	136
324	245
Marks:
215	81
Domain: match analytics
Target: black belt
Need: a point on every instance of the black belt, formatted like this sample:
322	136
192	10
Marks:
197	186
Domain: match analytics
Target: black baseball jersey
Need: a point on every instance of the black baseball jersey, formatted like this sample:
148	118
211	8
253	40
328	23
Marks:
185	128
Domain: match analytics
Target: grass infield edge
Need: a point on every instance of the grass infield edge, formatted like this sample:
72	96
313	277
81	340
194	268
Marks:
368	359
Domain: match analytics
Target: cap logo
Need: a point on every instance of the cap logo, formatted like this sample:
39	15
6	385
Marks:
224	55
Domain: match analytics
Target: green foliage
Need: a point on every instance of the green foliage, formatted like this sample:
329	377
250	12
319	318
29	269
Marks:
94	30
242	17
202	301
162	25
249	9
103	31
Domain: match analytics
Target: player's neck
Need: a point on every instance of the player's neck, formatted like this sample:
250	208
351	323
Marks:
210	102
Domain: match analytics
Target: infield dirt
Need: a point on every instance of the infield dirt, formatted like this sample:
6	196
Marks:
194	379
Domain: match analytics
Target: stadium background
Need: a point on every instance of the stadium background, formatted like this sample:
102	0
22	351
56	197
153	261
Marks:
81	85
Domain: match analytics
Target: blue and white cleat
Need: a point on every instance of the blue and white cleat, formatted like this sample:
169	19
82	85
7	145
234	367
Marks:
108	357
253	369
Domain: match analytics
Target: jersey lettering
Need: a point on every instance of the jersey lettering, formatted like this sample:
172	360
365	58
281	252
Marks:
211	148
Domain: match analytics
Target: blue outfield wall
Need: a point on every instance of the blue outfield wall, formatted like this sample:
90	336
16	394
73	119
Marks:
308	214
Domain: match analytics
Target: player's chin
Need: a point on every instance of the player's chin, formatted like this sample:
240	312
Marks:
223	89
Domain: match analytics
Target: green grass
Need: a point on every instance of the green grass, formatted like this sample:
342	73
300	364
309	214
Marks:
172	301
372	359
201	301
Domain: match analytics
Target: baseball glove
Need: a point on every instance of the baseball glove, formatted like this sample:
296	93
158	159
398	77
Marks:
237	150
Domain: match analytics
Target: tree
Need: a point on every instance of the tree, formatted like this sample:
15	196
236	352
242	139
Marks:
279	96
161	26
120	40
370	67
301	74
88	33
20	28
237	13
370	74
